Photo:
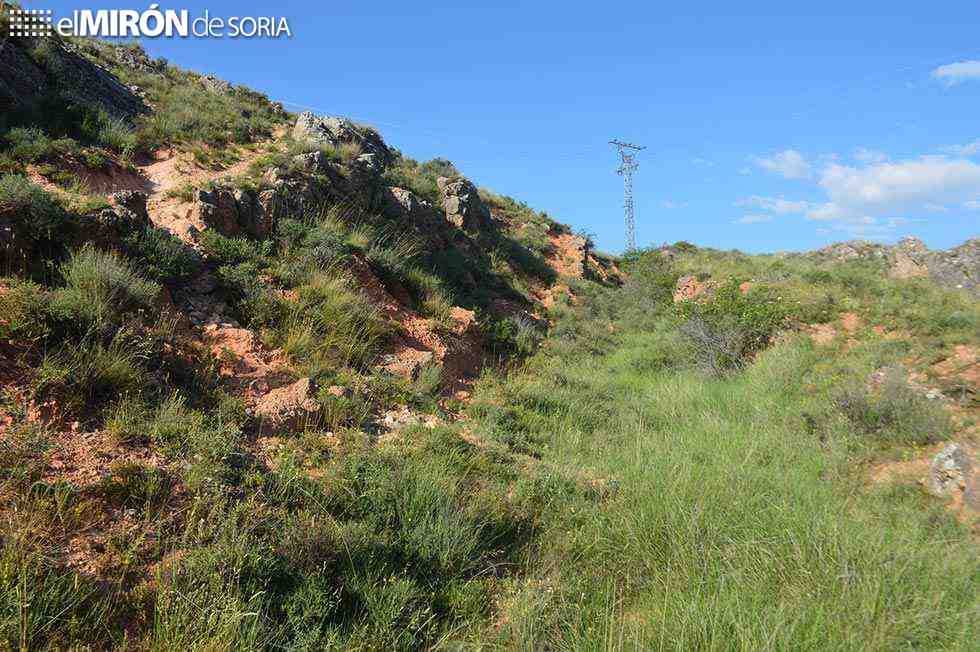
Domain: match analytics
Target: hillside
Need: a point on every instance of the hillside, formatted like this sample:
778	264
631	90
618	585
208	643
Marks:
268	382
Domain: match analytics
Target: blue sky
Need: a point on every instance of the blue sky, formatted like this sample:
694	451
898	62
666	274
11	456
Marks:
769	126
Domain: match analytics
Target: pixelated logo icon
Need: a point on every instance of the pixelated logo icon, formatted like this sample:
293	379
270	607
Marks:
29	22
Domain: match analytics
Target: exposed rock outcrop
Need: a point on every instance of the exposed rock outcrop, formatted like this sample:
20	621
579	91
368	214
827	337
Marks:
338	131
131	205
215	85
407	207
32	68
952	474
234	211
957	268
462	203
293	407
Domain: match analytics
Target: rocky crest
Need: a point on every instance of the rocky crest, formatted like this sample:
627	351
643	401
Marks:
957	268
32	70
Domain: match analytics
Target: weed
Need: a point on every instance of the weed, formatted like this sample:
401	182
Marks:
100	290
161	256
895	414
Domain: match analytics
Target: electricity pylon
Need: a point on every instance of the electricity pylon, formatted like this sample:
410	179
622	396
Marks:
626	169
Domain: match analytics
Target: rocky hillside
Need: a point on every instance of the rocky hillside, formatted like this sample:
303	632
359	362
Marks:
267	382
957	268
194	281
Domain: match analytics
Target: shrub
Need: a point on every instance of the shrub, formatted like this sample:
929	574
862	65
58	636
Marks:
896	413
23	306
514	334
223	250
32	145
89	373
718	347
730	327
330	324
101	289
135	486
254	301
161	256
35	214
43	606
116	134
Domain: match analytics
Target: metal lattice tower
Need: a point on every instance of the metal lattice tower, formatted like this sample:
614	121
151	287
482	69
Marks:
626	169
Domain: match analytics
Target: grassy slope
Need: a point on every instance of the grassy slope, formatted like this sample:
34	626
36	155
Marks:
610	494
727	522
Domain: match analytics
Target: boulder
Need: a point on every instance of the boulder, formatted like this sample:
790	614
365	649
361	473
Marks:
131	206
293	407
235	211
314	162
336	131
215	85
462	204
253	218
952	473
137	59
218	209
957	268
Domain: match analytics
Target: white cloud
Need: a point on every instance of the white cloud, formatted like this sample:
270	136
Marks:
702	161
788	163
962	150
866	155
900	186
669	205
773	204
954	73
873	198
753	219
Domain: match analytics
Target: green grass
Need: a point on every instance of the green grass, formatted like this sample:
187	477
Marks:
730	524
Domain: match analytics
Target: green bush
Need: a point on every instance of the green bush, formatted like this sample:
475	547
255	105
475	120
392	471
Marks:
44	606
223	250
87	374
331	325
35	214
731	326
161	256
101	290
24	310
254	302
895	413
135	486
32	145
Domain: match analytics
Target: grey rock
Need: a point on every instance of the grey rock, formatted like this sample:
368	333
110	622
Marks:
131	205
215	85
414	212
219	210
336	131
952	471
31	68
137	59
314	162
252	215
235	211
462	203
956	269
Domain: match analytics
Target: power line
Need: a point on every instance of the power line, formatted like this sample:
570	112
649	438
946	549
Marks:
626	169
